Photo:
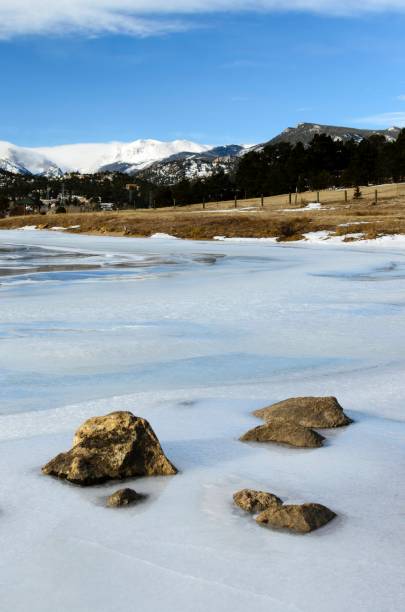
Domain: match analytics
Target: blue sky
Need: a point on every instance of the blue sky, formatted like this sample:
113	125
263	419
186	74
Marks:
210	76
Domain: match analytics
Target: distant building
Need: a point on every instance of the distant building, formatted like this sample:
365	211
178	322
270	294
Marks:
50	203
107	206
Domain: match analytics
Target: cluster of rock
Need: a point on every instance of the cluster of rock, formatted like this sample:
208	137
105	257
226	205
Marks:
121	445
292	421
116	446
271	512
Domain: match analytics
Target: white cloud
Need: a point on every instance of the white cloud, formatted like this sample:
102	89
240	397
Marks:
385	119
146	17
401	98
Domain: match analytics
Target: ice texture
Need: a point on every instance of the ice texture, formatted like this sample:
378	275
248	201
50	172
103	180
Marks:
194	336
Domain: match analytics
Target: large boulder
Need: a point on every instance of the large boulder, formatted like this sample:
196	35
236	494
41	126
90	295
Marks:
300	519
123	497
255	501
322	412
119	445
283	431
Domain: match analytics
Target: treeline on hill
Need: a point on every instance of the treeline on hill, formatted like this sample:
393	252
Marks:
276	169
325	163
285	168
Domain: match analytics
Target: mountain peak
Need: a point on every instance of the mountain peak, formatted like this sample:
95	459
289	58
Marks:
305	132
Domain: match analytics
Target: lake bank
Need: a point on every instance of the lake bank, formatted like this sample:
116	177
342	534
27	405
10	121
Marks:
355	220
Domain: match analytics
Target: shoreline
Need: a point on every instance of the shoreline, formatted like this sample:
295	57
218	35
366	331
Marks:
311	238
338	221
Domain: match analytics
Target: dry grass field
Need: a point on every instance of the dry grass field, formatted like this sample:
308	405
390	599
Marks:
365	217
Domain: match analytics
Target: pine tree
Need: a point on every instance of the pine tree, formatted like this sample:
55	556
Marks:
357	193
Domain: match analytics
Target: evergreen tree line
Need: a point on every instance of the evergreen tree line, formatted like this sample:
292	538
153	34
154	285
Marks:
285	168
325	163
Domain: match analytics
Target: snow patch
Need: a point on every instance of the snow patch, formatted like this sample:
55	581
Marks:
310	206
319	236
354	223
236	239
162	236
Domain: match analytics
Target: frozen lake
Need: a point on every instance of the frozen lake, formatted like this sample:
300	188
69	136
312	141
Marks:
194	336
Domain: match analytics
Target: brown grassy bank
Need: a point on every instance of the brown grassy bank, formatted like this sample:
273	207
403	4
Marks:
249	220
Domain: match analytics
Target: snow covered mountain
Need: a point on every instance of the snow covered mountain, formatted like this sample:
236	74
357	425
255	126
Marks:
89	158
194	165
22	160
168	161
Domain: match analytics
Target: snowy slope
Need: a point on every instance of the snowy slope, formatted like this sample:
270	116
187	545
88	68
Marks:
21	160
12	167
193	165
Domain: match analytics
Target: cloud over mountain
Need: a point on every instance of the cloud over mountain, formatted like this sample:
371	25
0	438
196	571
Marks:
148	17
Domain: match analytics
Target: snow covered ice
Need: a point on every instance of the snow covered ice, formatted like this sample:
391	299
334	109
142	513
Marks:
194	336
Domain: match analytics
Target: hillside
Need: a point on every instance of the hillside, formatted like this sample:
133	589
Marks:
305	132
189	166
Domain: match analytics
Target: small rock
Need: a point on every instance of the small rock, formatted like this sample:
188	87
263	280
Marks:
119	445
283	431
300	519
255	501
123	497
322	412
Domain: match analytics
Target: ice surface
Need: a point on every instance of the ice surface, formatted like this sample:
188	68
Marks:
194	336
